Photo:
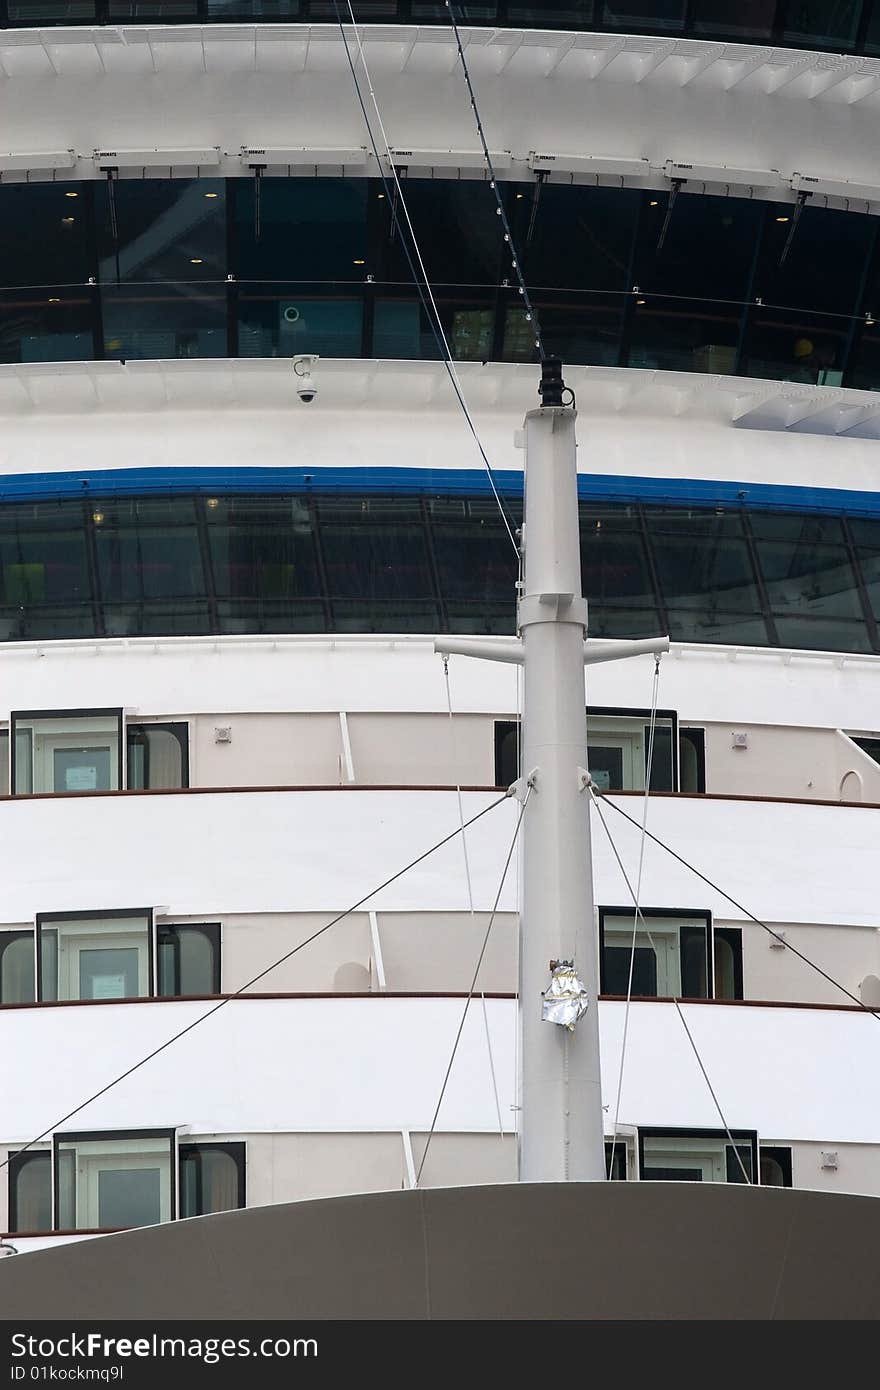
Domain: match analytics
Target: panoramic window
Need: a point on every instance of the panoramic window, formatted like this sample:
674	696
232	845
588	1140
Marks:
212	1178
264	562
162	267
16	967
158	756
30	1191
697	1155
189	958
111	1182
66	750
671	953
99	955
44	572
45	236
811	588
149	564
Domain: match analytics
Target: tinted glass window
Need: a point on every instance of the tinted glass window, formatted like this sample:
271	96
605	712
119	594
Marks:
746	19
821	23
595	227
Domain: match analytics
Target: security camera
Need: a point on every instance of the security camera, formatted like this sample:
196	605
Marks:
307	388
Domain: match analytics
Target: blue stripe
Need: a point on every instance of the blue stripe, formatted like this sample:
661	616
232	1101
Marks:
447	482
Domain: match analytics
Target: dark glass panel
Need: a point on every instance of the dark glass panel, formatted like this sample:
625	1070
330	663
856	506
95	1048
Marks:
457	228
44	234
687	316
52	325
869	562
36	12
20	625
659	16
795	345
157	619
812	275
374	615
864	366
324	11
822	634
222	10
164	273
614	566
695	521
262	548
588	331
475	559
616	962
139	10
403	329
872	34
42	556
308	228
269	615
148	549
736	19
375	549
578	237
615	1161
470	14
718	573
803	578
624	622
821	23
804	531
481	618
283	320
710	625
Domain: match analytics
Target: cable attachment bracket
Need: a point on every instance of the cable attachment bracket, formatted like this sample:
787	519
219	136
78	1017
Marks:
523	786
585	781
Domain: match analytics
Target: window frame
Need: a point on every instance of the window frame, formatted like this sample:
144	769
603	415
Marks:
213	932
6	939
698	916
503	727
113	711
18	1160
112	1136
179	729
739	1137
99	914
237	1151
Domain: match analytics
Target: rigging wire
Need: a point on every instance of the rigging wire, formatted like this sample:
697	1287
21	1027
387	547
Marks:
675	999
637	917
751	916
531	316
423	286
473	987
262	974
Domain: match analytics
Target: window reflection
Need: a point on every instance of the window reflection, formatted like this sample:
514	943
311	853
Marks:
747	19
821	23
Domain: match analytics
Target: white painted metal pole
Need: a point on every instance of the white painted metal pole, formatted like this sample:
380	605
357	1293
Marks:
561	1130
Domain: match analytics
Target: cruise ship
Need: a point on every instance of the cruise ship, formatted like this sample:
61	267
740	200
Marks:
272	275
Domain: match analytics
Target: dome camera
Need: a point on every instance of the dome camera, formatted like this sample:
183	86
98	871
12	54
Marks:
306	387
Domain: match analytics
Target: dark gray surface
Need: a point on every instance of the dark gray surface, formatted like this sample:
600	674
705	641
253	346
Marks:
605	1250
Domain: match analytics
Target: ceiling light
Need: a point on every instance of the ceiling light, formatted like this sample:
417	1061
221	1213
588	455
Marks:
97	518
54	300
381	195
783	219
212	195
212	503
640	301
869	319
520	195
71	195
358	262
195	260
655	202
68	221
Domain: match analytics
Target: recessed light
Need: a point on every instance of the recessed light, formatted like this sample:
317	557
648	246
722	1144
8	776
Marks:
640	301
212	502
53	299
358	262
380	196
212	195
68	221
655	203
195	260
520	195
97	518
783	219
71	195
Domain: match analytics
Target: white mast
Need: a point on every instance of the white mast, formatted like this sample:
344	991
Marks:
561	1131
